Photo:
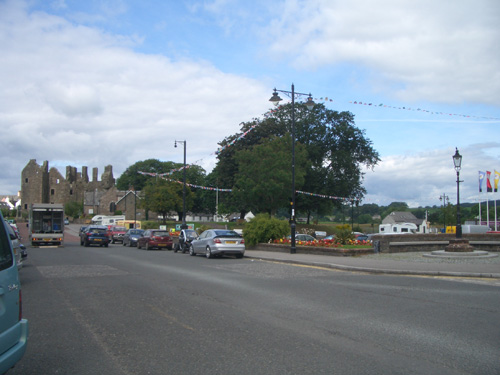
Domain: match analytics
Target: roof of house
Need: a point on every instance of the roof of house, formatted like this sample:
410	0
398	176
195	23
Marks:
401	217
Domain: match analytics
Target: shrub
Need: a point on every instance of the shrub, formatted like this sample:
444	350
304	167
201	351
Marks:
343	234
263	228
202	228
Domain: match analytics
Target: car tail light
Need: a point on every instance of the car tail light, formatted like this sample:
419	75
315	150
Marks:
216	240
20	305
242	241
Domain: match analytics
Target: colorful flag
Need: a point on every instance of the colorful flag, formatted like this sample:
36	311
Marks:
488	183
481	178
497	179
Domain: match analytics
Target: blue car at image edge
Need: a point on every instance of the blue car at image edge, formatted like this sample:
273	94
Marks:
13	328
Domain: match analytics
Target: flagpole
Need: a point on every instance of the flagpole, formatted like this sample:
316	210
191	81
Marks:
487	211
480	217
495	215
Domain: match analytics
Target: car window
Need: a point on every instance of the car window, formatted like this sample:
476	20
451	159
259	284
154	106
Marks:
226	233
10	231
5	251
98	231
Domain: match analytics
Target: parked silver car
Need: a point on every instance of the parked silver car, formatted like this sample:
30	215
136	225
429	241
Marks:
218	242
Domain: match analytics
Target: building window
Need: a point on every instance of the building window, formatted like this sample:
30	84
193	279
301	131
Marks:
70	191
26	180
57	181
52	192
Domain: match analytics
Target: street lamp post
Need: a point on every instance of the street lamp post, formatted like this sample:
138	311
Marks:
445	199
309	104
183	225
458	244
457	161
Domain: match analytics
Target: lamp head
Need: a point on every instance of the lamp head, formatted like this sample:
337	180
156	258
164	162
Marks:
275	99
175	144
310	104
457	160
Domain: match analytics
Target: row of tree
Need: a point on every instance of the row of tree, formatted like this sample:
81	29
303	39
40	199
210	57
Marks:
330	152
437	215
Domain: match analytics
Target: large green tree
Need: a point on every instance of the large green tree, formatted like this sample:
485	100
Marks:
132	178
163	197
264	174
195	175
337	150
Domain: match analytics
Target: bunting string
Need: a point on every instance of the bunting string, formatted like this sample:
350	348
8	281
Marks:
162	174
324	196
406	108
198	186
235	140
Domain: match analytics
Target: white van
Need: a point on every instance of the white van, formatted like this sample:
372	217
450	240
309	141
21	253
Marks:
107	220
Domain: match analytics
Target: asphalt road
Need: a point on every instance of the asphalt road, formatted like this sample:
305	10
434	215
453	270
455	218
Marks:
119	310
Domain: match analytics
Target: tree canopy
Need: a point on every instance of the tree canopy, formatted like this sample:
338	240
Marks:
336	150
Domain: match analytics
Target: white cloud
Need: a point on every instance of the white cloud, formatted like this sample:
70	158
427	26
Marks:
420	178
73	94
438	51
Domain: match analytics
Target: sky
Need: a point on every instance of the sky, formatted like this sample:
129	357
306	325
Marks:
113	82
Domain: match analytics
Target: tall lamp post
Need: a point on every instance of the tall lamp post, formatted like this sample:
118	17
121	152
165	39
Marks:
309	104
183	225
457	161
459	244
445	199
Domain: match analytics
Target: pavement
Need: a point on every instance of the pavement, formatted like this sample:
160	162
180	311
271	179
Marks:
398	264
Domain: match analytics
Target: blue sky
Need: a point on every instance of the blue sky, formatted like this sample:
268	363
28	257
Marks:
92	83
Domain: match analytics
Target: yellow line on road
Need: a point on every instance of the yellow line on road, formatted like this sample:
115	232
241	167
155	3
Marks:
171	318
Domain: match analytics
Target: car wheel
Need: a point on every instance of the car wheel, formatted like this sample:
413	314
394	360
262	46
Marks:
239	256
147	245
106	245
87	244
124	244
191	251
139	246
208	252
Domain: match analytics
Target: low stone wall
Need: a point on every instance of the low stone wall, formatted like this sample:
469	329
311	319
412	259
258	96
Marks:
316	250
395	243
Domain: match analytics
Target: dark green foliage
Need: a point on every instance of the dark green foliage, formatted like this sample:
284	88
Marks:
264	228
73	209
264	174
343	234
336	151
131	178
163	197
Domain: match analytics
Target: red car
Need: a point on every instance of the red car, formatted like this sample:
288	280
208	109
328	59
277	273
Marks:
155	238
116	234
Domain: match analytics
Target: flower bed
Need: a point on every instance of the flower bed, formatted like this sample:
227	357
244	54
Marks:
351	244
